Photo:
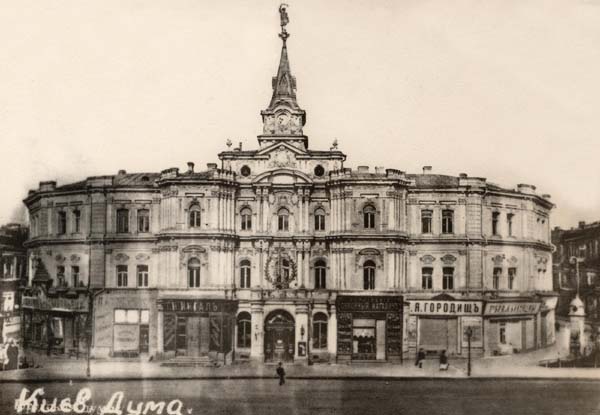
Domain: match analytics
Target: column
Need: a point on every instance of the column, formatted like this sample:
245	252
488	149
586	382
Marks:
332	332
160	331
257	342
301	322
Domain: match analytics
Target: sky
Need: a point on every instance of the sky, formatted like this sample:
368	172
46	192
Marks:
502	89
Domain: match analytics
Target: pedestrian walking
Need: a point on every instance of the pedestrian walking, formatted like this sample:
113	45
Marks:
281	374
420	358
3	355
443	361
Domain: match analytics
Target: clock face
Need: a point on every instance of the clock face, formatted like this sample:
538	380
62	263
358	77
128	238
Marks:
283	120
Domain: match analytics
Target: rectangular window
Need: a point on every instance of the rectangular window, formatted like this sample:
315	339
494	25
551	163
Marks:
512	275
142	275
75	275
127	316
122	221
495	218
76	221
121	275
426	216
60	276
427	278
62	223
143	216
509	223
502	333
448	278
447	221
496	277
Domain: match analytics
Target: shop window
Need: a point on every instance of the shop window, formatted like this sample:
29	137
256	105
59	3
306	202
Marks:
369	275
194	273
497	274
320	275
142	276
509	223
244	330
447	221
75	276
245	274
426	216
283	220
76	221
122	221
143	216
495	219
121	275
448	278
369	217
502	332
512	275
427	278
246	217
319	220
62	223
194	215
144	316
319	331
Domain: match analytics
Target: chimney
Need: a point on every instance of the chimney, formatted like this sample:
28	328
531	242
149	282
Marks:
363	169
190	166
211	166
427	169
240	147
122	172
581	224
463	175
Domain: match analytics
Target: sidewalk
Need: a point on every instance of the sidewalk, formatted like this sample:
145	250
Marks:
514	366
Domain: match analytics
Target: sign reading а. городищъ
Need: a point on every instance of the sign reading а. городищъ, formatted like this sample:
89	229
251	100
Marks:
446	308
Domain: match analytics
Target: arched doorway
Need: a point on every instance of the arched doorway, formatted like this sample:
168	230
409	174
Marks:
279	337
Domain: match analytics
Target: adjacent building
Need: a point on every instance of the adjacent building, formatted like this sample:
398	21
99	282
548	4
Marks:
13	274
282	253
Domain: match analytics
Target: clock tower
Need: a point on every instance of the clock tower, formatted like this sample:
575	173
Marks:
283	119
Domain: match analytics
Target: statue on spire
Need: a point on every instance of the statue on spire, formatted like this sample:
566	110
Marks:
284	21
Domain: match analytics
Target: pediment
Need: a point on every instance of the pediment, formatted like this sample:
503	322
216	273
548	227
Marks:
282	176
281	147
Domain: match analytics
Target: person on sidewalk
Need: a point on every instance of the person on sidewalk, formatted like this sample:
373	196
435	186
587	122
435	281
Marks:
443	361
420	358
13	355
281	374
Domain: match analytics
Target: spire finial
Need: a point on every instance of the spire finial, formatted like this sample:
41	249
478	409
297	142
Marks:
284	21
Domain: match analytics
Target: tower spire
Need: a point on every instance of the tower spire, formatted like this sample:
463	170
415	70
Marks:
283	119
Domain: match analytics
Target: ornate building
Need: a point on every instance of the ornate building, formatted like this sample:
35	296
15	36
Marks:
282	253
13	267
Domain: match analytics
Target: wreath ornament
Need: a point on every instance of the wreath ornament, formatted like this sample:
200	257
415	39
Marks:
282	276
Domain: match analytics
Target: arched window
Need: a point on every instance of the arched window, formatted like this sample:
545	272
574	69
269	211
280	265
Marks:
195	216
244	328
369	275
320	275
283	220
369	217
246	217
245	274
319	220
194	273
320	331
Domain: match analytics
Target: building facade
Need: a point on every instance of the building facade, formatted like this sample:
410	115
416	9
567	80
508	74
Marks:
13	274
581	244
282	253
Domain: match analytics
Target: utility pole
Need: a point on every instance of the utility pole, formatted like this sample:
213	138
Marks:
469	334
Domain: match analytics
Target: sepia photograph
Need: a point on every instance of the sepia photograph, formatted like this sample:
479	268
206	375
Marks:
303	207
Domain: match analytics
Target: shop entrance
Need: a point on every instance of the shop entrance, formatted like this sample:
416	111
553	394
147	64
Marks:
279	337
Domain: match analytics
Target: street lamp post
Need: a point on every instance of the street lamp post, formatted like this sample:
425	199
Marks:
469	333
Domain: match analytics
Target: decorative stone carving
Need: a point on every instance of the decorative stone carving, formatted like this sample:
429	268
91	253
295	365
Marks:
513	260
498	259
59	258
121	257
448	259
142	257
369	251
75	258
282	157
427	259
